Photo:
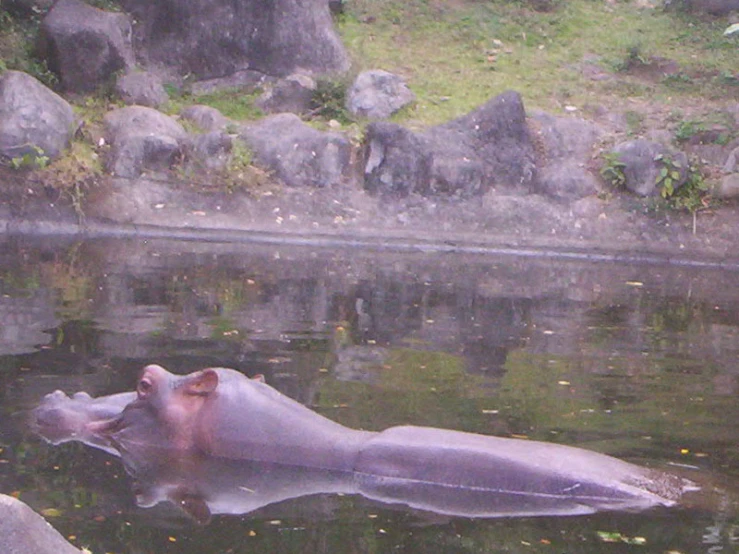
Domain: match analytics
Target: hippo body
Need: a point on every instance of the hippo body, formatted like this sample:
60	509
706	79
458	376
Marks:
219	416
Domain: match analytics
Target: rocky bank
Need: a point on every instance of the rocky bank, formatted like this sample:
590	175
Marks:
499	177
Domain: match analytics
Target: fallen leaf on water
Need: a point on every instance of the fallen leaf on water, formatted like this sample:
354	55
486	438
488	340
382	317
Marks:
615	536
51	512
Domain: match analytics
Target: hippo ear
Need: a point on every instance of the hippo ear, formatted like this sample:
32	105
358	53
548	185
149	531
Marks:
194	506
202	382
259	377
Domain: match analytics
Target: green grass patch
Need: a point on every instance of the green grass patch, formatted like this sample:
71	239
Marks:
235	104
457	55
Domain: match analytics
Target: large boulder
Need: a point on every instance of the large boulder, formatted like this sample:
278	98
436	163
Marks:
23	531
489	147
213	38
377	94
85	46
34	121
643	161
142	138
299	155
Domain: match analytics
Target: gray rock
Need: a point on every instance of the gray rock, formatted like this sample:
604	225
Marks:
397	161
245	80
85	46
142	88
642	166
141	138
213	38
32	116
209	151
566	137
489	147
23	531
568	143
205	117
567	180
299	155
292	94
377	94
728	187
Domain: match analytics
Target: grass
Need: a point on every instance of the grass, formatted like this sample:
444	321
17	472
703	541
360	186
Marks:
456	55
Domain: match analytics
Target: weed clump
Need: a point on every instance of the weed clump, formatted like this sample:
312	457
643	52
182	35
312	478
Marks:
329	100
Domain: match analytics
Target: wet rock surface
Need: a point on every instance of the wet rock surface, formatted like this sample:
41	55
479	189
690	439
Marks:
23	531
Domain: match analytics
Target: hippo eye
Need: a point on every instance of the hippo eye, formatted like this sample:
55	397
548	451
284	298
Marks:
144	387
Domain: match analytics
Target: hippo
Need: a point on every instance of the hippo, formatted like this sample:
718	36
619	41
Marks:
174	431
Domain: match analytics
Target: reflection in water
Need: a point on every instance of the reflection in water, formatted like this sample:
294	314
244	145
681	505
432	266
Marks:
638	362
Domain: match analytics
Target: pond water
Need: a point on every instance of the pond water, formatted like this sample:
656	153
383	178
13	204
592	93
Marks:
637	361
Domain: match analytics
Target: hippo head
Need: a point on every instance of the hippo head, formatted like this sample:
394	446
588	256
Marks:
165	412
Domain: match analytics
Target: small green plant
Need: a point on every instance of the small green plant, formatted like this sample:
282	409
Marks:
613	169
329	100
241	156
240	174
73	174
678	81
693	195
688	129
634	122
634	57
35	159
668	176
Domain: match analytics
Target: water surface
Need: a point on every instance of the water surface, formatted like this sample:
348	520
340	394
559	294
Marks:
636	361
